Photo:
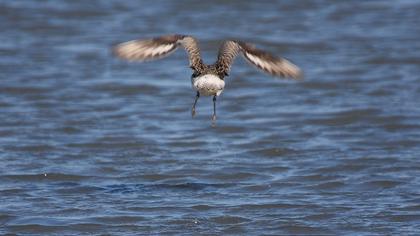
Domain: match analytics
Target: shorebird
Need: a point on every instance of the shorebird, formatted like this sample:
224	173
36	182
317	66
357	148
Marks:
207	80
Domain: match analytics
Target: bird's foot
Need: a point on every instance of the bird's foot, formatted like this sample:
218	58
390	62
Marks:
213	120
193	112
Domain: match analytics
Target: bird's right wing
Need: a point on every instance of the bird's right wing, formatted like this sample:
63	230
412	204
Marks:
263	60
155	48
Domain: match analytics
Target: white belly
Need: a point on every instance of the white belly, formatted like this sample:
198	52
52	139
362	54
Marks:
208	85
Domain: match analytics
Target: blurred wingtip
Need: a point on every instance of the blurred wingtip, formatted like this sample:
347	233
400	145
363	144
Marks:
299	75
291	70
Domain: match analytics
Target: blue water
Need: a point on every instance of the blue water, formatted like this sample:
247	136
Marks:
93	145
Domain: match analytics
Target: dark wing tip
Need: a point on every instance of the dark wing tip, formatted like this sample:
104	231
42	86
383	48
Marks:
116	50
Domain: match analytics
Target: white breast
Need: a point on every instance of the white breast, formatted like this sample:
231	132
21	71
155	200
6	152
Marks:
208	85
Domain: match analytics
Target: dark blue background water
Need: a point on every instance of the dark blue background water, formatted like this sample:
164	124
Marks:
90	144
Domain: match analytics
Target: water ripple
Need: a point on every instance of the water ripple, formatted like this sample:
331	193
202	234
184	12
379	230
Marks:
90	144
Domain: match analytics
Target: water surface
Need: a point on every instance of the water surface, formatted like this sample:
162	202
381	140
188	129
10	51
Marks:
90	144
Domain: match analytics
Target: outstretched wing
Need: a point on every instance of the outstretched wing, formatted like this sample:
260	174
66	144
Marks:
270	64
155	48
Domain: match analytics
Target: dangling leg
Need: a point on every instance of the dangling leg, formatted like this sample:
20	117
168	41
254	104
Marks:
195	102
213	118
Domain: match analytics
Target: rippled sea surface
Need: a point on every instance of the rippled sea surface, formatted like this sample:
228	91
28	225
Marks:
90	144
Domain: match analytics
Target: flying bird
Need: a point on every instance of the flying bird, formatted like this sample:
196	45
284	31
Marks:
207	80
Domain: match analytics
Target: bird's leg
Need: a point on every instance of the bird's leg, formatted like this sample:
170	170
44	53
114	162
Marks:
195	102
213	118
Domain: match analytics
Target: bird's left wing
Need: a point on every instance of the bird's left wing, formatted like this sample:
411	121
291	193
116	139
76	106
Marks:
155	48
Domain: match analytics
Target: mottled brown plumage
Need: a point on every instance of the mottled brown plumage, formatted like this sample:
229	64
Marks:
206	79
159	47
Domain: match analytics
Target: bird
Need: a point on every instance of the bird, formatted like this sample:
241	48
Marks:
206	79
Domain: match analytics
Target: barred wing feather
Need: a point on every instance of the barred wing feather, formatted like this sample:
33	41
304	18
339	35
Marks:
263	60
151	49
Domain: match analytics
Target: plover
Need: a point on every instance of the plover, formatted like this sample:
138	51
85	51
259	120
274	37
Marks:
207	80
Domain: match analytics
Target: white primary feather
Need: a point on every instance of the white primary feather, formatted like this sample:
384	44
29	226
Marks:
258	61
163	48
158	50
